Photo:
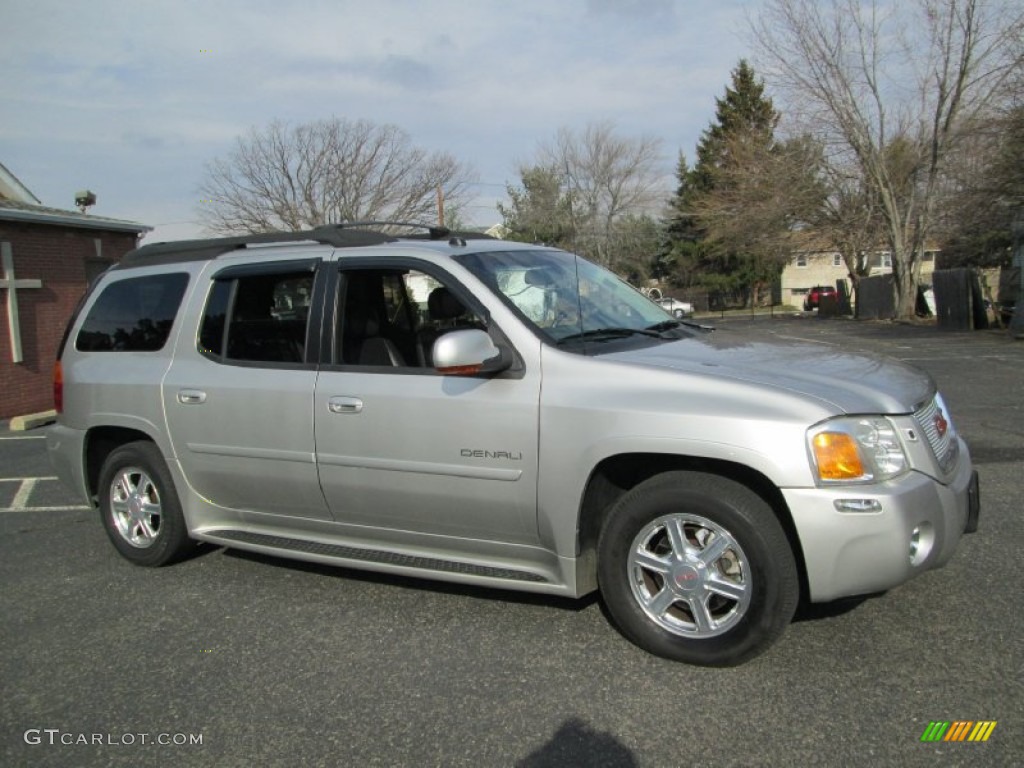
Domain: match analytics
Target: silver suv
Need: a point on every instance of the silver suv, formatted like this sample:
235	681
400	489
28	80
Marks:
461	408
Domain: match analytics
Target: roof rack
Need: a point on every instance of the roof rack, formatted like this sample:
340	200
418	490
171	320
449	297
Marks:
434	232
346	235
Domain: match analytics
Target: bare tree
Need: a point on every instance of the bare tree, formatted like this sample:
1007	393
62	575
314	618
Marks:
607	177
327	171
850	218
764	196
892	95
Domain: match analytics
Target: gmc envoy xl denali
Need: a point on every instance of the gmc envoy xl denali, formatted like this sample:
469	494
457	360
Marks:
450	406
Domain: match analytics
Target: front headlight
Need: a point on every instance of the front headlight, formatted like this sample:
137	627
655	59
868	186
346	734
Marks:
859	449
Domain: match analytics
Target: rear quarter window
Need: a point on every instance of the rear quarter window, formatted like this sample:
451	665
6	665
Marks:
133	315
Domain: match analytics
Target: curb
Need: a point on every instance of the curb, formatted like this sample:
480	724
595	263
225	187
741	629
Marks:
32	420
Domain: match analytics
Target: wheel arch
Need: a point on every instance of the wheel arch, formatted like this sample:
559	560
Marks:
100	442
616	475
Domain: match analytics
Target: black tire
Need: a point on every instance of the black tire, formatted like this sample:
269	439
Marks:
719	612
139	506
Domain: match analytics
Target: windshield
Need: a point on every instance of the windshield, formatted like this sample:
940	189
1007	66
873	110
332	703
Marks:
567	299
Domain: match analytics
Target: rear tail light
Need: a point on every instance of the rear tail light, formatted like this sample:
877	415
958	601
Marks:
58	387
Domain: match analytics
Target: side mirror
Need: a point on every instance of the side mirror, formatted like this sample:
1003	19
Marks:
468	353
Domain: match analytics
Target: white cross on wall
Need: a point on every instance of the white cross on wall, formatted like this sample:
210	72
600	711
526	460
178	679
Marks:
12	285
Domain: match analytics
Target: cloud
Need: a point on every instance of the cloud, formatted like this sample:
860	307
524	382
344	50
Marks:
133	99
633	9
148	141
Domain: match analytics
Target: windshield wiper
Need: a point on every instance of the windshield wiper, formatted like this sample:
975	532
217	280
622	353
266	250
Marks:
668	325
606	334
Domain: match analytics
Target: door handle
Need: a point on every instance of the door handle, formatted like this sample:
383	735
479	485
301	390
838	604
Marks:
345	405
191	397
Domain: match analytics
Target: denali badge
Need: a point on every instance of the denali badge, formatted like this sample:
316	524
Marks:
471	453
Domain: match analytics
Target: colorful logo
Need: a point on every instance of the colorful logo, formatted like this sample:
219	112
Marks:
959	730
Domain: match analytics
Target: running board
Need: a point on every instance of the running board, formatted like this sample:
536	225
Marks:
384	557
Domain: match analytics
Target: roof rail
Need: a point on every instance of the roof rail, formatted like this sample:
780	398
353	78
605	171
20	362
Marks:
433	231
337	235
346	235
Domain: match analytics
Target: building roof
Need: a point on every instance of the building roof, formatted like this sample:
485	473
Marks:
12	189
14	210
17	203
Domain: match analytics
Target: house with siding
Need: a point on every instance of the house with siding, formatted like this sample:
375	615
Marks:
822	264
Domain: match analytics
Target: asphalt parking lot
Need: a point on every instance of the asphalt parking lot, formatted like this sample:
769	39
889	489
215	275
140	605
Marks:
278	663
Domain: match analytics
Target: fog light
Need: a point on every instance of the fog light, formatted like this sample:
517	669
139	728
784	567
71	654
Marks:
922	539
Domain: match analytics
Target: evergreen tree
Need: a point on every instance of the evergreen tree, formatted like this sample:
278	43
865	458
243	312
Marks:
679	231
744	112
540	211
745	121
988	197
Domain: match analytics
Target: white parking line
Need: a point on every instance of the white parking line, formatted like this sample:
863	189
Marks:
26	485
804	338
22	437
72	508
24	491
944	357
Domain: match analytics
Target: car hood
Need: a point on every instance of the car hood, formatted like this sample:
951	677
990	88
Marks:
849	382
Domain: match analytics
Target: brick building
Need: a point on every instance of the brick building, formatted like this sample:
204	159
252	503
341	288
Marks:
47	258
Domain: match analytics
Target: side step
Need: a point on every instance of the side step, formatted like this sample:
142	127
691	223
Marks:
383	557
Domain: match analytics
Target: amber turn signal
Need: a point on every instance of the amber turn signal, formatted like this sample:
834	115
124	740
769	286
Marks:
837	456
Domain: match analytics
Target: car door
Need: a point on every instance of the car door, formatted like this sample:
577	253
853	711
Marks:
402	448
239	394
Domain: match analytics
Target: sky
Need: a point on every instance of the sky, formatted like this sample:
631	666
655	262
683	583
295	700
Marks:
132	99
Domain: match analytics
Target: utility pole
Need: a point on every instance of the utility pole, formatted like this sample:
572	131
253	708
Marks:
440	206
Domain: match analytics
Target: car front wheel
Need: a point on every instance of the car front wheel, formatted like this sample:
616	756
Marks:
696	567
140	508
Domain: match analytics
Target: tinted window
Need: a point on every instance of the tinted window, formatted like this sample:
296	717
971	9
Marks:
392	317
268	317
133	315
211	334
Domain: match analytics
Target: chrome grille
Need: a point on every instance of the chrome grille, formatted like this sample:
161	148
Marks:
944	446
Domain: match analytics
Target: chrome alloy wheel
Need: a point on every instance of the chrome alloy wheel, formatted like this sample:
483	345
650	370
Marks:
135	507
689	576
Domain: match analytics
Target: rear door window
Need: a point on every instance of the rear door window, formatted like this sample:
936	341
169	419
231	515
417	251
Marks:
133	315
260	318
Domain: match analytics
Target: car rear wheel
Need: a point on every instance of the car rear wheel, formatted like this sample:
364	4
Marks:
695	567
140	508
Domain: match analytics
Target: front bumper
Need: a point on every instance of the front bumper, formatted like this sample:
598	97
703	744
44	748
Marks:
917	528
